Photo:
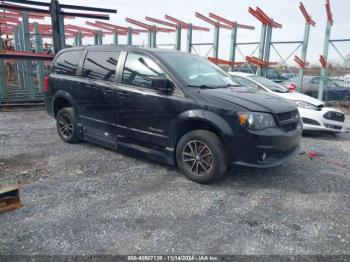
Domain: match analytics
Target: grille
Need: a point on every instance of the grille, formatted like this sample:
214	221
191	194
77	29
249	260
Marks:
285	116
289	121
310	121
335	116
333	126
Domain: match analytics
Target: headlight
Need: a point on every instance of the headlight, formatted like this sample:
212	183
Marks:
255	120
306	105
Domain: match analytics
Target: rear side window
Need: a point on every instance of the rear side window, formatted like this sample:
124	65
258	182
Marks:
100	65
272	74
315	80
67	63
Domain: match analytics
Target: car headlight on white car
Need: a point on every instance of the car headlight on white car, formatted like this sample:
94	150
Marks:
256	120
306	105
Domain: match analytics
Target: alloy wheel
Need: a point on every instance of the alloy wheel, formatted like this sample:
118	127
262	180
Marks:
197	157
65	125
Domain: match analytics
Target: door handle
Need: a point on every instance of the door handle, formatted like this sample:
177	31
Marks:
123	94
107	91
91	86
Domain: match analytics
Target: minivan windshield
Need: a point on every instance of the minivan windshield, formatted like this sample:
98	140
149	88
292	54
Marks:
269	84
196	71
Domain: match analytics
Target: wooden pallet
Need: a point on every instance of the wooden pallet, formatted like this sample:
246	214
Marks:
9	198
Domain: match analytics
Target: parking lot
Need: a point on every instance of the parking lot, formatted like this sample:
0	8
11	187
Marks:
83	199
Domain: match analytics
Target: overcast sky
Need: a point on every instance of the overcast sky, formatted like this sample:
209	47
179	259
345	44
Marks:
285	12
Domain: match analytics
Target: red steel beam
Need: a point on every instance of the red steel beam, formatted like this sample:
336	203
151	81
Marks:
276	25
8	25
223	20
79	28
219	61
256	61
306	15
41	25
164	30
185	25
110	29
147	26
272	23
74	33
100	26
259	62
111	25
138	23
300	62
12	20
19	16
263	17
206	19
25	55
210	21
177	21
158	21
329	12
323	61
32	15
257	16
134	31
230	23
14	12
200	28
85	30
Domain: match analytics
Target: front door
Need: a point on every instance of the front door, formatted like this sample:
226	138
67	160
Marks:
98	112
143	113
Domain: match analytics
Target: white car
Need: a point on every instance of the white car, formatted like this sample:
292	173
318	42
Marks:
315	116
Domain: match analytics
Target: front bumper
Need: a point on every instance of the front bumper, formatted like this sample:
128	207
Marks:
267	148
319	122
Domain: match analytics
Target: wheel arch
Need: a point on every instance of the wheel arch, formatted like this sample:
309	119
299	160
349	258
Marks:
200	119
60	100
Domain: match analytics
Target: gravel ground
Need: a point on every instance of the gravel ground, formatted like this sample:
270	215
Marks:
82	199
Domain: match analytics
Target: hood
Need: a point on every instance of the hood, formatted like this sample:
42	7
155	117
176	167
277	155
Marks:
248	99
295	96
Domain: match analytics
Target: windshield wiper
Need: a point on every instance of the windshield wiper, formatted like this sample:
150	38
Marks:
201	86
209	86
279	91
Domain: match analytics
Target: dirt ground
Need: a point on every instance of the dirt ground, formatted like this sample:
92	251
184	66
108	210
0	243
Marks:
82	199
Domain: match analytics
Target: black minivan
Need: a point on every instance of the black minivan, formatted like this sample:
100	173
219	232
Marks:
168	106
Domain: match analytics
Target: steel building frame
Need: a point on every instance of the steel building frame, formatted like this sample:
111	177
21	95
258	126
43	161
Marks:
21	31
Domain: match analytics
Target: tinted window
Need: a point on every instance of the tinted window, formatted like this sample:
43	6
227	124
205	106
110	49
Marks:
331	83
67	63
139	71
247	82
100	65
315	81
272	74
269	84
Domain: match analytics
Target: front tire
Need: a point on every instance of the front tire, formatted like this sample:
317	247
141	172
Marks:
67	126
200	155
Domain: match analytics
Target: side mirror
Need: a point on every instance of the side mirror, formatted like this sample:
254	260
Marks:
162	84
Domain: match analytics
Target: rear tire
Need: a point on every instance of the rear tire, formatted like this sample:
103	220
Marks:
67	126
200	155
